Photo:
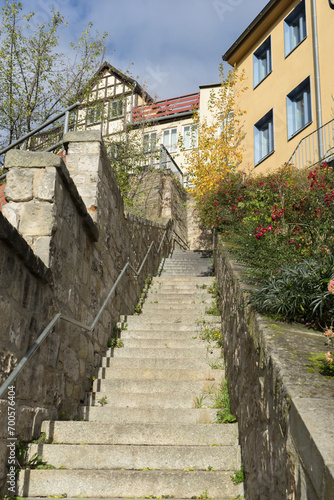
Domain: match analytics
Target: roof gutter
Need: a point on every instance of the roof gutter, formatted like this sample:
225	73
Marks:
250	28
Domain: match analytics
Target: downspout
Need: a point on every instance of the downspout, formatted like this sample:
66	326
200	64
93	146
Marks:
317	78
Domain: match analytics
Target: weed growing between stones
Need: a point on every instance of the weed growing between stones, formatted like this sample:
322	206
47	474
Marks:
214	308
212	335
102	401
199	401
35	462
222	403
139	306
114	341
238	476
202	496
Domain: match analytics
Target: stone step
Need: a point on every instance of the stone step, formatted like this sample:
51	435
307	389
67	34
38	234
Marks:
159	334
163	305
129	457
119	483
175	343
153	363
156	386
105	498
176	297
179	280
165	353
107	414
184	272
160	374
141	433
159	400
176	320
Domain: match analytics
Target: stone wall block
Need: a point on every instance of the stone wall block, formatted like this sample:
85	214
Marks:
12	213
71	364
88	148
19	185
45	184
42	249
37	219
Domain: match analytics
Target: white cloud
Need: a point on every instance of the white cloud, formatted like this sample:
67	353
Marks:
175	45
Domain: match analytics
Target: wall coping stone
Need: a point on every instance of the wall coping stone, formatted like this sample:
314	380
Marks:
137	218
10	236
309	396
16	158
82	136
29	159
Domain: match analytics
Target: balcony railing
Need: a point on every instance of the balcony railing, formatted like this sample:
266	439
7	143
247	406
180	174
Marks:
186	103
315	147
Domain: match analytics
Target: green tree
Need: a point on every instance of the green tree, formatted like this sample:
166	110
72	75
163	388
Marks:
36	81
131	155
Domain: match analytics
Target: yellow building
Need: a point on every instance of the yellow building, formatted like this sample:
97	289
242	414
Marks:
286	54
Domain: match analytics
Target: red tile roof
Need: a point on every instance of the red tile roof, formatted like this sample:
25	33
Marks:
2	196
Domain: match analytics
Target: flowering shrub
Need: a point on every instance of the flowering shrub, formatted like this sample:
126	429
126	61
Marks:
276	219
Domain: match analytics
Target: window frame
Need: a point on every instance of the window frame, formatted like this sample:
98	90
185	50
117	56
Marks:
260	127
298	14
300	95
171	147
262	53
117	114
190	137
95	113
150	141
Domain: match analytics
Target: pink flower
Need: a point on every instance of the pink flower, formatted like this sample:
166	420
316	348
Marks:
331	286
329	358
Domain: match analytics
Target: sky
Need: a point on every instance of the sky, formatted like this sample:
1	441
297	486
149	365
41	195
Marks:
170	46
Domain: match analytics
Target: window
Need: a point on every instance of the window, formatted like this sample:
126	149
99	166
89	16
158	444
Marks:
295	28
94	113
169	139
190	137
298	107
115	150
264	137
150	142
116	108
262	62
227	125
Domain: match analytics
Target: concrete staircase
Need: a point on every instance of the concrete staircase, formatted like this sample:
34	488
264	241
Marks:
155	436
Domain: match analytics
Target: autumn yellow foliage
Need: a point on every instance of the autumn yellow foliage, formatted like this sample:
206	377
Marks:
218	151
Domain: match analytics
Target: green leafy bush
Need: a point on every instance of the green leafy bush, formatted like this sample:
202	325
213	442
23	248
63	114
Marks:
299	293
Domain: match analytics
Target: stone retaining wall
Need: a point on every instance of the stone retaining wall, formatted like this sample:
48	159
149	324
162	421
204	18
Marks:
159	197
62	246
285	410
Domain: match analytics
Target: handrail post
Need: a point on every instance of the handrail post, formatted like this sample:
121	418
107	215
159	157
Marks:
66	122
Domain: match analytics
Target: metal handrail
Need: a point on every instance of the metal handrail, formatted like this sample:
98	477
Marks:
40	127
178	236
75	322
314	147
164	150
65	113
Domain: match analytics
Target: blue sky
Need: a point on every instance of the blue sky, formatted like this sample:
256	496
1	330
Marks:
174	45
